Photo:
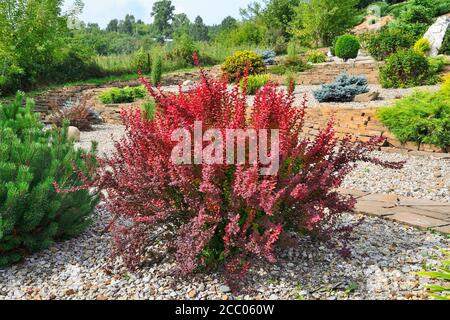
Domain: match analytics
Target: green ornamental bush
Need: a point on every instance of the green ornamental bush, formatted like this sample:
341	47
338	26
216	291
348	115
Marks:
142	61
421	117
33	215
347	47
387	42
255	82
124	95
405	69
235	65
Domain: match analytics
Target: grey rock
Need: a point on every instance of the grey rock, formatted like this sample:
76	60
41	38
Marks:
436	34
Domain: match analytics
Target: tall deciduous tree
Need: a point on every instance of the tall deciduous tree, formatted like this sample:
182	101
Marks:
280	13
320	21
31	33
181	23
113	26
163	15
199	30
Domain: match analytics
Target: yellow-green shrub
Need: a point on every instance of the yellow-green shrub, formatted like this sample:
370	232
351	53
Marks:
422	46
254	83
446	85
235	65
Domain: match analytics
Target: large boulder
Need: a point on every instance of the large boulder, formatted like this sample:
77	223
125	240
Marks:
74	134
366	97
436	34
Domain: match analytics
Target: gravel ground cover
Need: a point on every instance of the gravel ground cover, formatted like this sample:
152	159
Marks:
385	257
385	254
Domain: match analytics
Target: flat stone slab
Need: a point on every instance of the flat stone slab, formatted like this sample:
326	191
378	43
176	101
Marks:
373	208
387	199
416	220
355	193
427	213
420	213
412	202
444	229
441	209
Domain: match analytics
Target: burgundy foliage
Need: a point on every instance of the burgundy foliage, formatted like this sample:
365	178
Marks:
225	215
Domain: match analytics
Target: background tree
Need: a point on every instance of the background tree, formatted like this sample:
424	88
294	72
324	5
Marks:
113	26
181	23
127	25
280	13
162	14
318	22
199	30
228	23
252	11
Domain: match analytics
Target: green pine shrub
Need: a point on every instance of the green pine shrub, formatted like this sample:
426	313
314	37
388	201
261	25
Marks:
124	95
157	70
422	117
344	89
405	69
255	82
235	65
347	47
33	215
387	42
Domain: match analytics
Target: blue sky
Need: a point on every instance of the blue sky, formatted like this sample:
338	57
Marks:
212	11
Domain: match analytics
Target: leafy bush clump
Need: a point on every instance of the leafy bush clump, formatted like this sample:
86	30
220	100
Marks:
344	89
437	64
422	118
33	215
347	47
224	215
293	64
182	51
125	95
406	68
142	61
316	56
268	56
422	46
387	42
254	83
234	66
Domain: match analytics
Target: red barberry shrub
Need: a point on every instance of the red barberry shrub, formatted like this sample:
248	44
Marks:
224	214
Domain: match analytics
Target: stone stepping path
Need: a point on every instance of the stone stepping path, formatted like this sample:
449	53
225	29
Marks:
419	213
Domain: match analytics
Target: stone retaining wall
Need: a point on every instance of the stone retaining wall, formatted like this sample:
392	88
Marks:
361	123
326	72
